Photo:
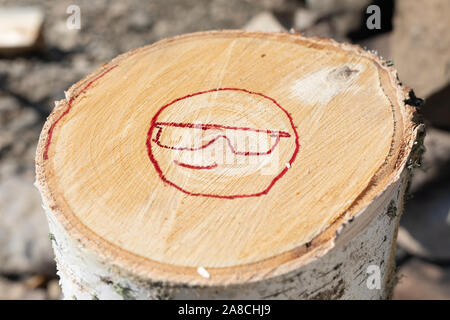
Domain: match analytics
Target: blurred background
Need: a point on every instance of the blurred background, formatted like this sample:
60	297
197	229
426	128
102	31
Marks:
44	49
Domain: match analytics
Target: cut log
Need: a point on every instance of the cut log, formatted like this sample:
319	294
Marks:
229	165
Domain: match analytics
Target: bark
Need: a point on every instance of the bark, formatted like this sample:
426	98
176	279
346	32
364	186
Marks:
352	258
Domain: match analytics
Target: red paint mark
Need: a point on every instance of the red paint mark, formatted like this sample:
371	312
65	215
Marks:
277	135
190	166
154	124
69	106
218	126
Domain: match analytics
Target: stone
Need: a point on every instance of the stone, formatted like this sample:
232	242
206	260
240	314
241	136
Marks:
323	29
435	160
437	108
140	21
326	7
24	242
304	18
264	22
18	290
419	280
380	43
53	290
425	224
420	50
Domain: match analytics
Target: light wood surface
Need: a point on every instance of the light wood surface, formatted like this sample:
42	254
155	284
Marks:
222	150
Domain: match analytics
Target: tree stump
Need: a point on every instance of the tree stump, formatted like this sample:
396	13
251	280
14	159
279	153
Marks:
229	164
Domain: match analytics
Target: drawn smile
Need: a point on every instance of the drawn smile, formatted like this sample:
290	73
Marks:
190	166
224	143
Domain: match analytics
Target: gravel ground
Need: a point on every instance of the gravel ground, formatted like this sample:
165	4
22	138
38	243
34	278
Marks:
30	83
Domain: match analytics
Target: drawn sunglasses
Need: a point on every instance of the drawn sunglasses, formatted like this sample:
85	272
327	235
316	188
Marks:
257	142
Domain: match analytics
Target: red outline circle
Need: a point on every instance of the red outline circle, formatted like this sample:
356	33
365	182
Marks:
161	175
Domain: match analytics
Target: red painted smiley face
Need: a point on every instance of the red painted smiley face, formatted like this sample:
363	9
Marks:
224	143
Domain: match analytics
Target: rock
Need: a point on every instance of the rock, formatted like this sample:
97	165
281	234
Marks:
18	290
420	50
421	43
8	168
6	140
117	9
401	255
24	242
162	28
380	43
68	39
345	22
35	281
425	224
304	18
348	18
54	290
264	22
321	23
20	29
272	4
323	29
140	21
7	105
437	108
420	280
26	119
327	7
435	160
82	64
20	128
